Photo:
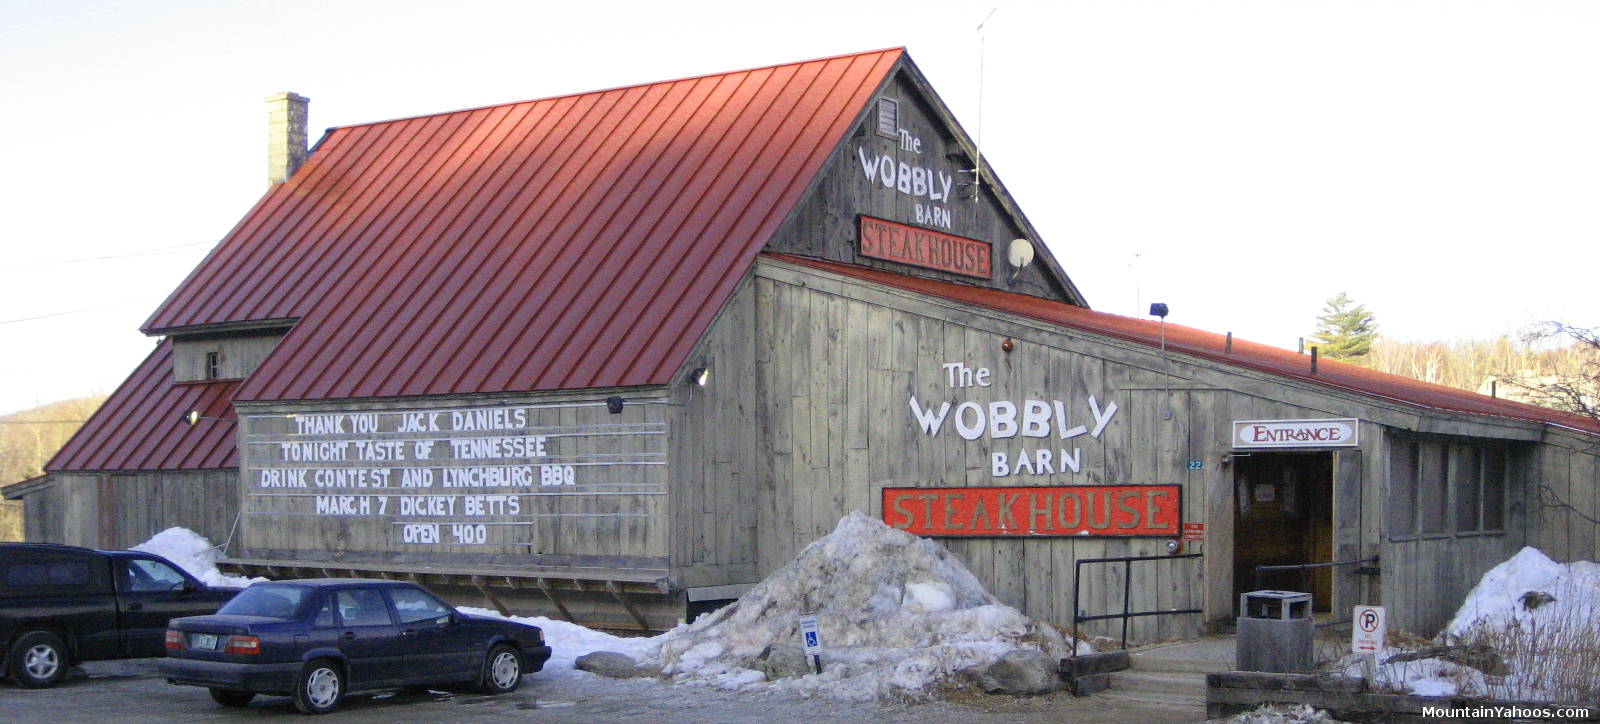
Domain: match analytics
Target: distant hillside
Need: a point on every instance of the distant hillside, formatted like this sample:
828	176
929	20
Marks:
27	441
1516	371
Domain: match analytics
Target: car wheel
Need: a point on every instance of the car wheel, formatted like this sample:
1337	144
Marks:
319	688
502	671
38	660
232	697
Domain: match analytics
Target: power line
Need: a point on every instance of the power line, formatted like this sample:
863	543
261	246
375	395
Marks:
73	311
158	251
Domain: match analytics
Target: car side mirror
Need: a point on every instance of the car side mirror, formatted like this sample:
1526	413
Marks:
184	586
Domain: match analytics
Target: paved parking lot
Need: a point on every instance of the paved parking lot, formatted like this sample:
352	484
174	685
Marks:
122	692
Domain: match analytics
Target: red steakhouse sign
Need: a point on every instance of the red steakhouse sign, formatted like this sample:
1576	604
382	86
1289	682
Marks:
921	247
1116	510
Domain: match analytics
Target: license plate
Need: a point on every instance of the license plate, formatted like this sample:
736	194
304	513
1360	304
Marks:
207	642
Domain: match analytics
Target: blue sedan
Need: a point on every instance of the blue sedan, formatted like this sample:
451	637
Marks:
317	640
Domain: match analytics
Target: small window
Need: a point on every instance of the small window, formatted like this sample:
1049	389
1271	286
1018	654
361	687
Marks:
1403	488
1432	494
888	118
144	574
1494	489
363	607
213	365
1467	480
415	606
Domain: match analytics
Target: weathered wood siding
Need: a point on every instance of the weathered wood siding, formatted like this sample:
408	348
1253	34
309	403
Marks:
611	513
837	430
238	354
717	475
119	510
825	224
1564	498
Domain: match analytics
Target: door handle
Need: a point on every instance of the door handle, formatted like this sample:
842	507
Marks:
349	635
408	632
135	606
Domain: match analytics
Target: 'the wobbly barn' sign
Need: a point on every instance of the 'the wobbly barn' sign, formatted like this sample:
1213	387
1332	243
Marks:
1026	437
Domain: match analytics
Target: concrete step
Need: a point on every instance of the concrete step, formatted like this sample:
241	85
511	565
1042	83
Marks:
1190	686
1202	656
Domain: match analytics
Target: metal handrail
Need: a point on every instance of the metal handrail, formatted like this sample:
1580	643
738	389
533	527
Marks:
1305	569
1127	593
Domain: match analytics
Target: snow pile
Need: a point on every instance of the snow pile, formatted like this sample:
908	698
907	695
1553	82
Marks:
1525	631
193	553
1423	677
1281	714
897	614
1514	592
568	641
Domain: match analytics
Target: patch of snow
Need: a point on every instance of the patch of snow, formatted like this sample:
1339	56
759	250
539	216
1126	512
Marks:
897	614
1281	714
568	641
193	553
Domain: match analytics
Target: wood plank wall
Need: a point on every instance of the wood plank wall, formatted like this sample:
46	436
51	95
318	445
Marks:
125	509
717	479
839	431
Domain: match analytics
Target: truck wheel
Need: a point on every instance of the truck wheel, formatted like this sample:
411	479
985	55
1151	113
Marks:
232	697
319	688
502	671
38	660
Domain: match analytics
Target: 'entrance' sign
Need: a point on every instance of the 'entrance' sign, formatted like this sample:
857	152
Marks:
1104	510
1341	432
926	248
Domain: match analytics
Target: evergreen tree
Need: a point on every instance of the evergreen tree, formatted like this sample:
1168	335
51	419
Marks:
1345	330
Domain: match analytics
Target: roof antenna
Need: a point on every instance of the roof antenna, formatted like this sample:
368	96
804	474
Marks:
977	161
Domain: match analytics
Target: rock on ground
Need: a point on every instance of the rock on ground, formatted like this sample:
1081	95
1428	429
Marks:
1021	671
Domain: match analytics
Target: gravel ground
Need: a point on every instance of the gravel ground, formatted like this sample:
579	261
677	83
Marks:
130	691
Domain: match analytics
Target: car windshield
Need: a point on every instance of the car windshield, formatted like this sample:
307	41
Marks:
267	600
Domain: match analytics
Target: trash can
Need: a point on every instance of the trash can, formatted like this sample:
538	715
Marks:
1275	632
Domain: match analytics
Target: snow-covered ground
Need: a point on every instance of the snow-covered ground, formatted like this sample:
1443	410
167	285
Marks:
898	615
1528	631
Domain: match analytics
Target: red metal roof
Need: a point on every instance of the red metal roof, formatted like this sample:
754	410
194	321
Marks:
1213	346
140	426
572	242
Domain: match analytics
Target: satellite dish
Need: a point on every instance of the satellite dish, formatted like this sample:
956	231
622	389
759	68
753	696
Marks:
1020	253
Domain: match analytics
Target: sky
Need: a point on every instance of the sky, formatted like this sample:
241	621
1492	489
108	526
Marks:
1242	162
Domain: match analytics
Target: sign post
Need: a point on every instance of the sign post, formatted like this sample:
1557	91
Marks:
812	639
1367	636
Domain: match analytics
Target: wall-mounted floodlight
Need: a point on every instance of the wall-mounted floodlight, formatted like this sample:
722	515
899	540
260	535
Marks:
193	416
700	376
614	405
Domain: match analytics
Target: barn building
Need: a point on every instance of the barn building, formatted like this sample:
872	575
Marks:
616	355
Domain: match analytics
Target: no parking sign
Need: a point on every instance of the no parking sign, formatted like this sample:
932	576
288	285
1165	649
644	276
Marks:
1371	626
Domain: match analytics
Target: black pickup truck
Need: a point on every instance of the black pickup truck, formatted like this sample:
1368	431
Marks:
61	605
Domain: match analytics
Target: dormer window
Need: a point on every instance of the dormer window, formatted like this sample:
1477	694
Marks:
213	368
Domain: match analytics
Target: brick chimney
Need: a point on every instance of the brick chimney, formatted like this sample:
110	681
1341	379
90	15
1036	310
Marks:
286	135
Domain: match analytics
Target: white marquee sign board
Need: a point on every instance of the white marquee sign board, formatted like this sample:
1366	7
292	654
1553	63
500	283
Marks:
1335	432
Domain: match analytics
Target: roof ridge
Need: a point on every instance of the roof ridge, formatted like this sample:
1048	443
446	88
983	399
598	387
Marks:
541	99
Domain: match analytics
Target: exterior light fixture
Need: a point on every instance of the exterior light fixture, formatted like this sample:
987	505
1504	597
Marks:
614	404
191	417
700	376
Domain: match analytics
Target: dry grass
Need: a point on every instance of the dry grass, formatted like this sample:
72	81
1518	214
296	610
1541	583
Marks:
1555	657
